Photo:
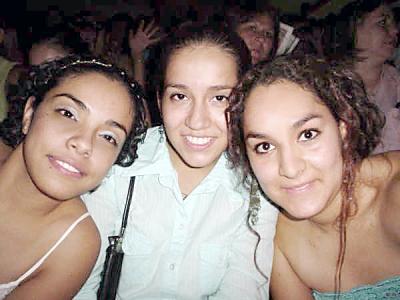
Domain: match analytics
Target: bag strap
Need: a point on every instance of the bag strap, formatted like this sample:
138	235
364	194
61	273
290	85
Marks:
127	206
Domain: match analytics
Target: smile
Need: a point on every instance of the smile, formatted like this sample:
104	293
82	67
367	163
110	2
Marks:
65	167
299	188
198	141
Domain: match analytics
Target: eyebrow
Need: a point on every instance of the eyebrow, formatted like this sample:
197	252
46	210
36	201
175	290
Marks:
297	124
214	87
84	107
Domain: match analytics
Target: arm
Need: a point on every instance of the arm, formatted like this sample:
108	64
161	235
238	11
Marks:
65	270
243	280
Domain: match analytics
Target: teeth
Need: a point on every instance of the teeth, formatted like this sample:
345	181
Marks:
67	166
198	140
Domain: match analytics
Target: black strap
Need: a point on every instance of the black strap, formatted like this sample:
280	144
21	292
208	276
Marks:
127	206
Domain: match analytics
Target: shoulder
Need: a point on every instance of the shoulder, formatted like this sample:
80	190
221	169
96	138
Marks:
391	72
381	169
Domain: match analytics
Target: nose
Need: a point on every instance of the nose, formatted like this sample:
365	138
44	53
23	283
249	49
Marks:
81	143
291	163
198	116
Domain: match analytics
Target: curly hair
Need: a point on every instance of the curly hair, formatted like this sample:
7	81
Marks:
43	78
337	87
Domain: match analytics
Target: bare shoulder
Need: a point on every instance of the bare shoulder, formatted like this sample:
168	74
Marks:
68	266
387	167
380	169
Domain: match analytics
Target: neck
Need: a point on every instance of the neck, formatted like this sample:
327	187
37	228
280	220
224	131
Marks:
370	71
327	218
17	189
189	177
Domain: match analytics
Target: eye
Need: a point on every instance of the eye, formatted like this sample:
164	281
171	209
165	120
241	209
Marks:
309	134
221	98
263	148
66	113
382	23
110	138
178	97
269	34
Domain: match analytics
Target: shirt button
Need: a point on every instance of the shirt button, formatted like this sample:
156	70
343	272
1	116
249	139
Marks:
172	267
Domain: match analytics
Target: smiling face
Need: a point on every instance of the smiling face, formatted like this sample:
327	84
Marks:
258	34
198	81
376	35
75	134
294	147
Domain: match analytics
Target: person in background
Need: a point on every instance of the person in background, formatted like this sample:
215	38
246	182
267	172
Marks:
306	128
368	42
187	235
55	43
81	117
258	26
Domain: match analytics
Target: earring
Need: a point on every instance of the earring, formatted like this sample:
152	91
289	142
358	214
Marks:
161	133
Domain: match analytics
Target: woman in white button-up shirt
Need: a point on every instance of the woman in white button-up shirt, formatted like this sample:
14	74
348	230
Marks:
187	235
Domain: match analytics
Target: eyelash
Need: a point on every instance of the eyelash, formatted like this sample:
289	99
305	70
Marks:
258	148
314	132
177	96
263	151
110	139
66	113
222	98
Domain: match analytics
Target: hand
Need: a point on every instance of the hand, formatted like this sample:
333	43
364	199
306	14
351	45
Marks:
145	36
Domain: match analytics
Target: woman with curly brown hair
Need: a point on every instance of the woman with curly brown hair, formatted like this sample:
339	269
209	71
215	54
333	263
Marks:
305	129
81	116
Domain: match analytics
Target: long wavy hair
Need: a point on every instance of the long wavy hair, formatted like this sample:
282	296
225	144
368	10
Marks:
43	78
338	88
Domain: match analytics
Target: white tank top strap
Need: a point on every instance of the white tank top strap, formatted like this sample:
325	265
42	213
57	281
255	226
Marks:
60	240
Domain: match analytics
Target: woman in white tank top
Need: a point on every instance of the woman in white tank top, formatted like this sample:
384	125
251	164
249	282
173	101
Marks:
81	116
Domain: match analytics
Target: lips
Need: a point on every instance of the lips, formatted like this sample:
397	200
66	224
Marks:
66	168
298	188
197	142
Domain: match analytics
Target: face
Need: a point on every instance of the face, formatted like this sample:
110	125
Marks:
258	34
376	35
75	134
44	52
294	147
198	81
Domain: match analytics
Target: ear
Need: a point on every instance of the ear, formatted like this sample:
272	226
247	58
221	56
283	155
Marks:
28	115
159	101
342	130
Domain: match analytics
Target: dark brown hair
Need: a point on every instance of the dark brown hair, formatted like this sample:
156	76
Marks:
338	88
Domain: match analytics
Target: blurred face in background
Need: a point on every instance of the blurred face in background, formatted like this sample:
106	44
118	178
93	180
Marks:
376	34
258	34
45	52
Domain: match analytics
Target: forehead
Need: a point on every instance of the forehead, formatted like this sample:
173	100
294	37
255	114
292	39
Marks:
281	101
95	87
202	63
380	11
261	19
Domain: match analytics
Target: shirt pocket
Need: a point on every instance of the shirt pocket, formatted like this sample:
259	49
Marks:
213	266
138	264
